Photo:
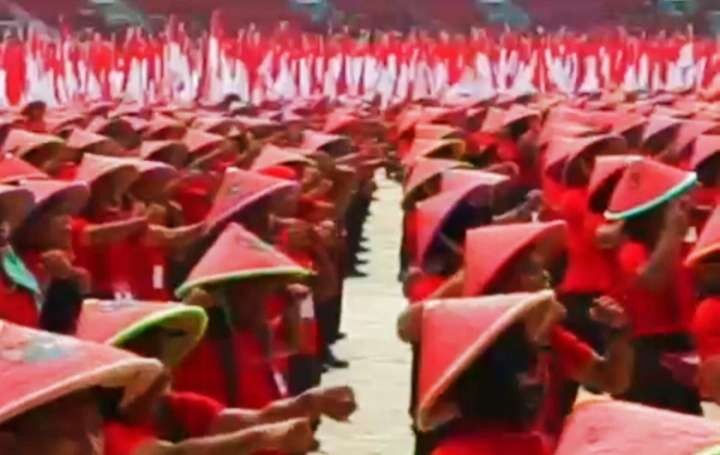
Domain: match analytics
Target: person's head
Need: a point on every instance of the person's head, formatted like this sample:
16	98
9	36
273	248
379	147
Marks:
646	228
61	307
45	230
503	385
71	425
35	111
524	273
107	191
246	299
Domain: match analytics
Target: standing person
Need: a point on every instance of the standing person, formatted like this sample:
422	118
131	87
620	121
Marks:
235	362
653	286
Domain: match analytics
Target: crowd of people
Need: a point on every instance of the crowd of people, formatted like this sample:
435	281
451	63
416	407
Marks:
287	63
172	268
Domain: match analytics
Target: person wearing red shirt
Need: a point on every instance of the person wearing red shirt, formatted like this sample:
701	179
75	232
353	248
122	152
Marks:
653	285
526	252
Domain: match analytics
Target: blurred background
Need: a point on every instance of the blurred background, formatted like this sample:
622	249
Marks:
114	15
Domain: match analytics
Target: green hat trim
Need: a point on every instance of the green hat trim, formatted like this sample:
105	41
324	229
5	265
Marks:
714	450
673	193
192	320
290	271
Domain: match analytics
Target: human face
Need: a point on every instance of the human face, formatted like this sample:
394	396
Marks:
526	274
71	425
48	231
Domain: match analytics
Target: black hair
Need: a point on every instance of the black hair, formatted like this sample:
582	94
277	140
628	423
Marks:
707	171
61	307
489	390
601	199
645	228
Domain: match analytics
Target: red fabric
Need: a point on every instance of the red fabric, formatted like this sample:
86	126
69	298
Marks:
573	355
147	279
196	413
589	269
705	328
195	198
281	172
67	171
122	439
423	287
474	441
650	312
17	305
110	266
202	372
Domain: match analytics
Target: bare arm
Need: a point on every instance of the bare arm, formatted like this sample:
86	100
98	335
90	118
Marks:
173	238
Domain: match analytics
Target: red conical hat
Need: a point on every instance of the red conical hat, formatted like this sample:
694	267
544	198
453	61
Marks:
552	130
706	146
436	131
21	142
13	170
616	427
198	141
316	140
690	130
118	322
659	124
454	334
506	242
168	127
238	254
563	150
518	112
607	167
125	109
426	147
671	112
425	169
708	242
405	122
61	123
15	204
216	124
102	145
433	211
455	179
619	122
92	167
338	121
125	126
63	197
494	120
238	190
272	155
645	185
153	169
170	152
40	367
259	127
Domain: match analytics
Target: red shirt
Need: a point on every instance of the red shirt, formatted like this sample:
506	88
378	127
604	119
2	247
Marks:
147	278
705	328
486	441
110	266
202	372
410	239
17	305
195	413
424	286
124	439
195	197
589	269
651	313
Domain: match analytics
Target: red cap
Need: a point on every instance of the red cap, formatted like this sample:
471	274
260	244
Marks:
238	254
62	196
645	185
506	242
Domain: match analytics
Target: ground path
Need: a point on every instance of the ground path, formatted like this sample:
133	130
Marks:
379	363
